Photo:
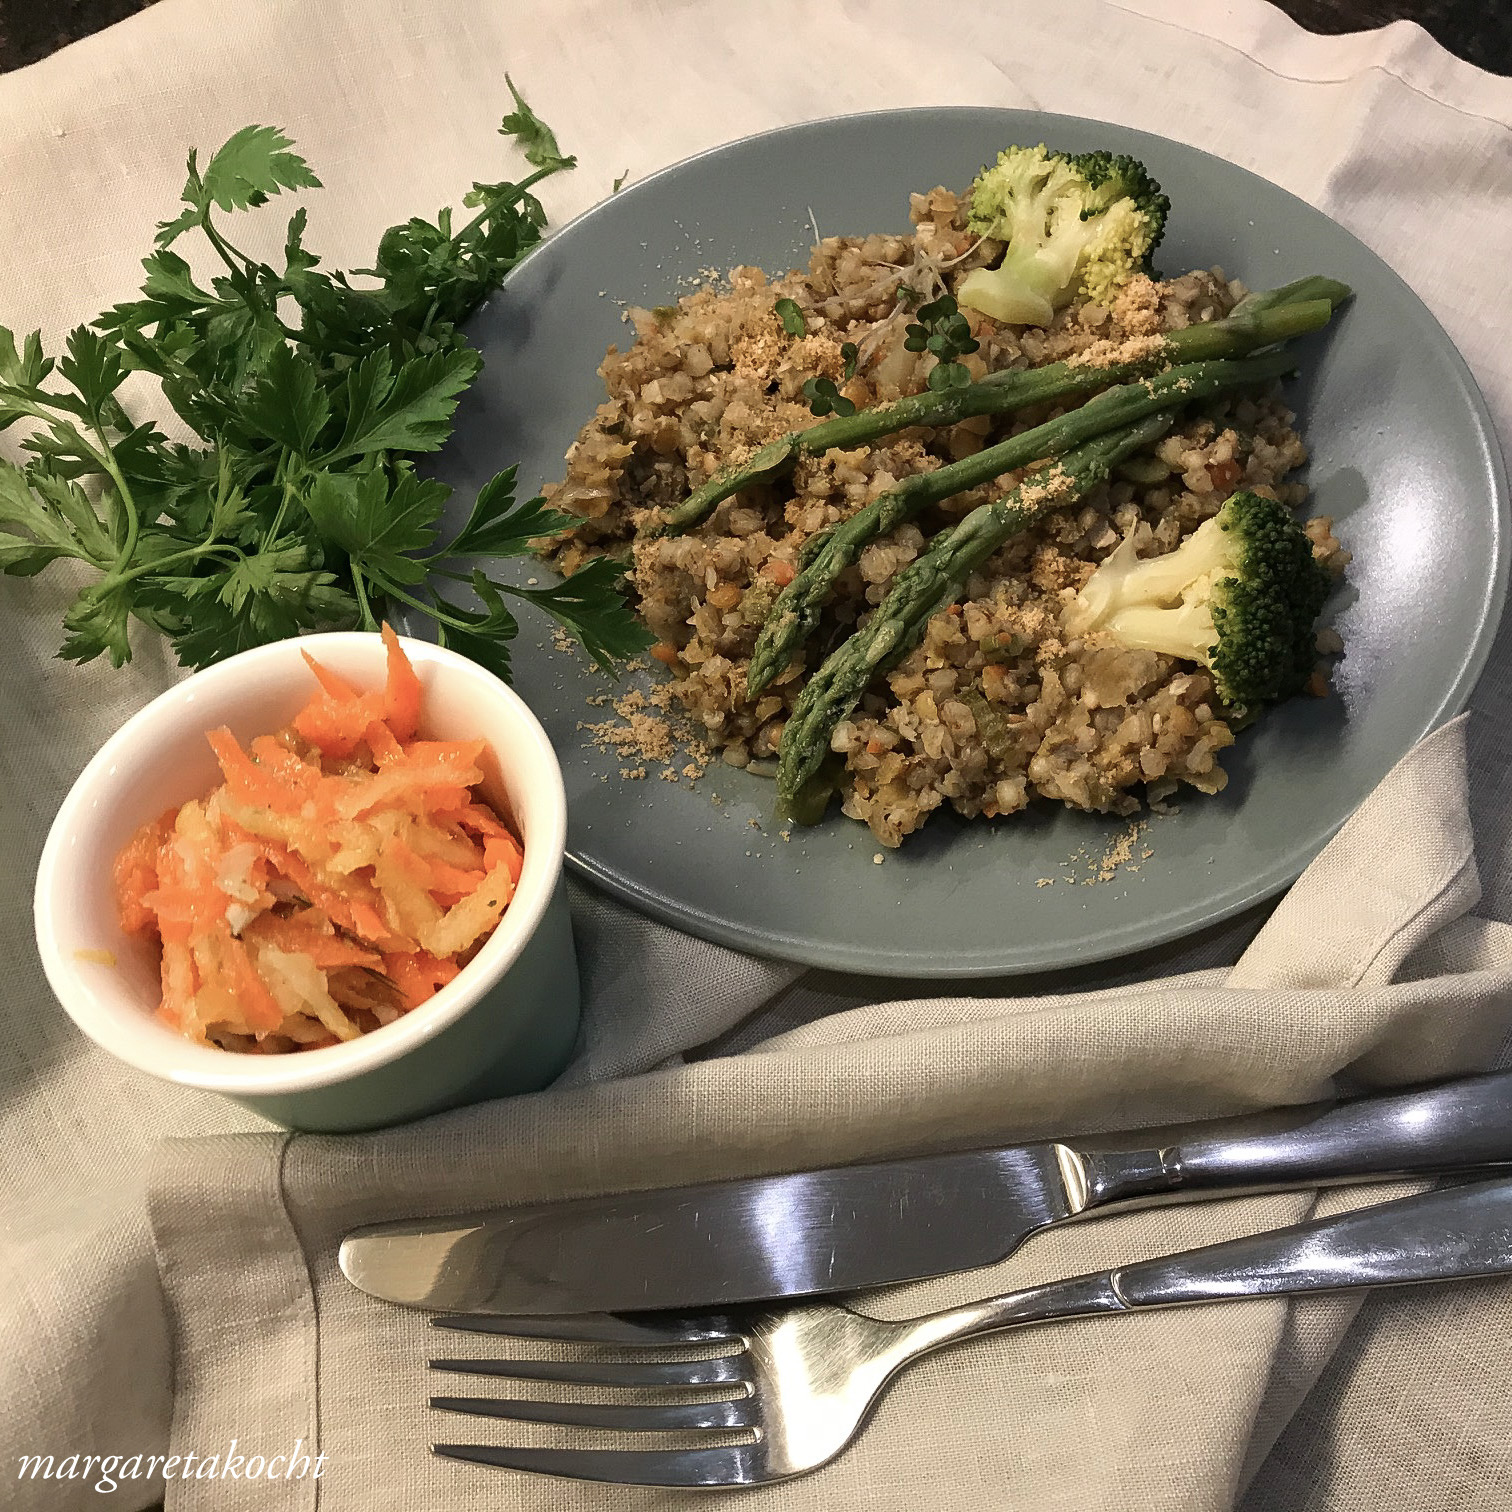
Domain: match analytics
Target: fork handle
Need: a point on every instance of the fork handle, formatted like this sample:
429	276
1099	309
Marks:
1446	1235
1454	1126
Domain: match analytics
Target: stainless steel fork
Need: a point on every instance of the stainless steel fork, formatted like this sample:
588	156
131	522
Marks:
798	1381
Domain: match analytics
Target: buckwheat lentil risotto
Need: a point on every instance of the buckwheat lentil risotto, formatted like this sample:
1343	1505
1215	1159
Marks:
998	704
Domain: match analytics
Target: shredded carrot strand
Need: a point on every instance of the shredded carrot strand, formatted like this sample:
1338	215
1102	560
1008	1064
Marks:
341	875
401	692
333	686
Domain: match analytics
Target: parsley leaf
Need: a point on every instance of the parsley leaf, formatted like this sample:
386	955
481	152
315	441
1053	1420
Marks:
169	231
97	623
292	505
250	166
487	644
535	136
228	616
282	572
406	411
378	523
32	536
586	604
287	405
296	259
498	526
24	370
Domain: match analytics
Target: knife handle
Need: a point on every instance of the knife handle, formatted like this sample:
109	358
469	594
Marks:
1426	1131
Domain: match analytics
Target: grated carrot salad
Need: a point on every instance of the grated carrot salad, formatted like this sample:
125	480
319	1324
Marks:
343	872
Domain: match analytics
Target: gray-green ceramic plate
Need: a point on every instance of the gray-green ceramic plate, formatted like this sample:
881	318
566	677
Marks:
1403	457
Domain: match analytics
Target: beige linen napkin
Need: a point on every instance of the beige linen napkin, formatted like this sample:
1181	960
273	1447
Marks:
222	1317
1151	1411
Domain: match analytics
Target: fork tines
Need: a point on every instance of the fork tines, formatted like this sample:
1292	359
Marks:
724	1465
722	1371
730	1466
672	1417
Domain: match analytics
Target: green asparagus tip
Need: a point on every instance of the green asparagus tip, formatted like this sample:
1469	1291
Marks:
1334	292
1300	291
1306	315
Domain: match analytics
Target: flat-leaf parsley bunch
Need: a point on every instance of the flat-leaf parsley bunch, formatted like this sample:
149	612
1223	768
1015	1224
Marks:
298	507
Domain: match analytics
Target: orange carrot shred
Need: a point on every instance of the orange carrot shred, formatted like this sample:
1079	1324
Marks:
290	906
417	974
504	849
445	878
257	1003
333	686
481	820
383	743
135	874
401	692
246	779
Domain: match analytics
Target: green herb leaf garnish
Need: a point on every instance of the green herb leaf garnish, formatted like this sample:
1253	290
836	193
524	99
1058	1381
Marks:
294	506
536	138
943	330
791	317
825	399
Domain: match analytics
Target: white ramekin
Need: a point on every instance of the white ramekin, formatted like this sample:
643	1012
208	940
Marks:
507	1022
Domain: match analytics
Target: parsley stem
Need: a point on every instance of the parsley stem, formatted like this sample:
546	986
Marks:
433	609
115	577
287	474
364	607
518	192
247	272
227	252
127	547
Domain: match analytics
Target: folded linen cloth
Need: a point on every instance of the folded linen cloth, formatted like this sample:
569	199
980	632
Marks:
1405	984
176	1313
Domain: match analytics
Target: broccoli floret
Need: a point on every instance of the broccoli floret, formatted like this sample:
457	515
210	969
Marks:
1241	595
1086	223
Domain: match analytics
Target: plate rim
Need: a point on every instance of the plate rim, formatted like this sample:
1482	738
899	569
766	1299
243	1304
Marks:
1131	939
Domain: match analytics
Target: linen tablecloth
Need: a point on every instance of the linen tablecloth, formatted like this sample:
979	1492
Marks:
167	1279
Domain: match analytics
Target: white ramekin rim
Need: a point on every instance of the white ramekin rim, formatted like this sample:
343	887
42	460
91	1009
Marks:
93	995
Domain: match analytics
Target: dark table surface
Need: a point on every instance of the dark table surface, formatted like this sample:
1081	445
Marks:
1477	30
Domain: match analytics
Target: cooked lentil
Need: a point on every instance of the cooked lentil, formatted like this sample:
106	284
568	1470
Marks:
995	707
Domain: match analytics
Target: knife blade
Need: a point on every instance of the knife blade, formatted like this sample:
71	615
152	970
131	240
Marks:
846	1228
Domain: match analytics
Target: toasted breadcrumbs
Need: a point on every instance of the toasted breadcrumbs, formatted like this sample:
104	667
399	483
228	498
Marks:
996	707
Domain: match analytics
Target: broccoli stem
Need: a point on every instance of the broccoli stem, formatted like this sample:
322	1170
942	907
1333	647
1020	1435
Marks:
795	613
1263	318
926	586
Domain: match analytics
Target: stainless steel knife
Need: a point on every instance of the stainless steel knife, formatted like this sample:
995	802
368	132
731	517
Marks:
851	1227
